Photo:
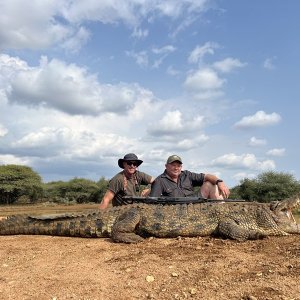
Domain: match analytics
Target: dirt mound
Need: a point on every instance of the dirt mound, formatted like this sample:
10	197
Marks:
41	267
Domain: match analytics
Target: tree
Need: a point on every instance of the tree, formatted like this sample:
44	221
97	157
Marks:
17	181
268	186
82	190
79	190
55	190
103	185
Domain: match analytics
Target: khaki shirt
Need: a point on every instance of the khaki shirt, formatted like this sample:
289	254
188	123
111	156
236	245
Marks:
122	186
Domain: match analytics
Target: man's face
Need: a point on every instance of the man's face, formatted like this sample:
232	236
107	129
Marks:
174	169
130	166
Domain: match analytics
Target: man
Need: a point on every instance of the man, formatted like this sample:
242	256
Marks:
177	183
126	183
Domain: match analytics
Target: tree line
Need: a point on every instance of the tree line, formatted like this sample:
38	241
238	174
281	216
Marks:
21	184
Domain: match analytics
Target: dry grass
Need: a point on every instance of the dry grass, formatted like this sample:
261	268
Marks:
45	208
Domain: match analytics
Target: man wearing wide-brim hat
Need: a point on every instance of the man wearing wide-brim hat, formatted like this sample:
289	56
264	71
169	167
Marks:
127	182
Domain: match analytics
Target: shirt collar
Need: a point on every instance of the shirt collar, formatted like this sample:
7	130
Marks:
165	174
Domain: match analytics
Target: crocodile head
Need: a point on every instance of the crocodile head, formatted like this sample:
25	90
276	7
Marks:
283	211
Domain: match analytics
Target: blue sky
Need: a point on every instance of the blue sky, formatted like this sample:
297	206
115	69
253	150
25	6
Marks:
82	83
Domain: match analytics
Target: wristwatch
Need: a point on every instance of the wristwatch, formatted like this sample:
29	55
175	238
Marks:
219	180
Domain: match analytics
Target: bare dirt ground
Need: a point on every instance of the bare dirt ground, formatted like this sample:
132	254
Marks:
44	267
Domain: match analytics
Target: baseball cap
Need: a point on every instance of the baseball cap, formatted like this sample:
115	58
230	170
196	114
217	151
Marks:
173	158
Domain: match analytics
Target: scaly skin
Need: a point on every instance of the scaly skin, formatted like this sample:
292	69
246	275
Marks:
132	223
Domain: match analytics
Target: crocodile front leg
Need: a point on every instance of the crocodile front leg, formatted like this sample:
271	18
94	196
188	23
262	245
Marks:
228	228
123	230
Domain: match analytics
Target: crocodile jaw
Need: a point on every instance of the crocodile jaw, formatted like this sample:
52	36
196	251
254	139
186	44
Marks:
290	227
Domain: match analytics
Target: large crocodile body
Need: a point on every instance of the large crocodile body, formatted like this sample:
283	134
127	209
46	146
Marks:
132	223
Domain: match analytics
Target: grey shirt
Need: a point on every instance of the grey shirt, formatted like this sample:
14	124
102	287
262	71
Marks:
165	186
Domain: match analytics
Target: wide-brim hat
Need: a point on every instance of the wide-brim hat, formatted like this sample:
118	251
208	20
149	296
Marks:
129	157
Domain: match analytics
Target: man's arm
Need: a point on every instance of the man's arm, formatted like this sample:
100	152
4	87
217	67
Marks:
156	188
146	191
213	179
109	195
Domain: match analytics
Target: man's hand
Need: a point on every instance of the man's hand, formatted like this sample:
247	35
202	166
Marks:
145	192
223	189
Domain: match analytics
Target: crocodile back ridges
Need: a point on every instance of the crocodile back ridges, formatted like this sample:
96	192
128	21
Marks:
204	218
83	225
94	223
99	223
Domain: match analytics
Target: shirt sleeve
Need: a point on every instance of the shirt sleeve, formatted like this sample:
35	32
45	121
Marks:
144	178
197	179
156	188
115	184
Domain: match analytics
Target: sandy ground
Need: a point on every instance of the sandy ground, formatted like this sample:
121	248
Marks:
44	267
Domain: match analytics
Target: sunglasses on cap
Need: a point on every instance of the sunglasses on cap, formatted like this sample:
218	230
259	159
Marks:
132	163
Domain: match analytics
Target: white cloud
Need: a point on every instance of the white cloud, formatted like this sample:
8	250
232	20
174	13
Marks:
243	175
257	142
72	143
228	64
9	159
259	119
75	42
45	137
164	50
172	71
130	12
144	59
68	88
9	66
198	53
146	107
163	54
60	22
3	130
276	152
244	161
188	144
204	79
141	58
139	33
269	63
204	83
173	123
39	29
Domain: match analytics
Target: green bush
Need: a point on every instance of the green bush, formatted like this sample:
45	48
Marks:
268	186
17	181
78	190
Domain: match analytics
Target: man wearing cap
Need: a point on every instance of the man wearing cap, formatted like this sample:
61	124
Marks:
126	183
177	183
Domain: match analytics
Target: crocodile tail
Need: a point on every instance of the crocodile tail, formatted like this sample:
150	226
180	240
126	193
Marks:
60	226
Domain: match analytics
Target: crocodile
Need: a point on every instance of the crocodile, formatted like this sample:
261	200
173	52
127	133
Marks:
134	222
